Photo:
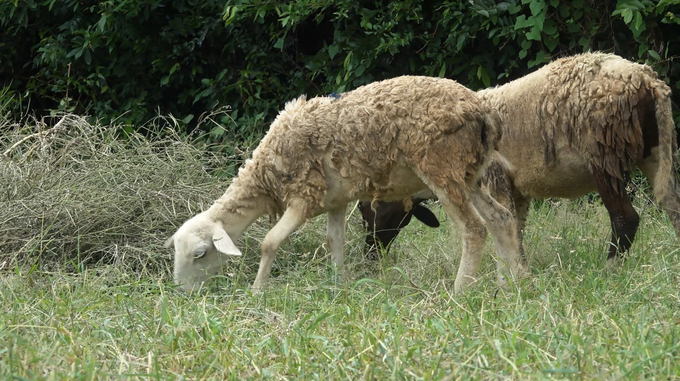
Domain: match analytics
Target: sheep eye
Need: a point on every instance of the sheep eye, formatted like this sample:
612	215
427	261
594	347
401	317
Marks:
200	253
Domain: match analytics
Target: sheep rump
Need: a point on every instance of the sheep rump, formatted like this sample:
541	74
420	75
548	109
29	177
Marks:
383	141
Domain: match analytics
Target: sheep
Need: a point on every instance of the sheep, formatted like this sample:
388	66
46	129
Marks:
578	124
382	141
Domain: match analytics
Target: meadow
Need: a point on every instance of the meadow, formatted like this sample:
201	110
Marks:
86	288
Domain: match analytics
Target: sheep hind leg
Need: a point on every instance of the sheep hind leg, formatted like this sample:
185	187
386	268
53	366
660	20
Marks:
459	209
624	219
499	220
336	237
506	194
522	205
292	219
503	224
474	235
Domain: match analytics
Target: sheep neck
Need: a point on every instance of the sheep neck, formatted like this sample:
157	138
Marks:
237	209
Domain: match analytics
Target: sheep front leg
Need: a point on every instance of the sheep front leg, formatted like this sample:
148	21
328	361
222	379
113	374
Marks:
291	220
336	236
503	226
522	205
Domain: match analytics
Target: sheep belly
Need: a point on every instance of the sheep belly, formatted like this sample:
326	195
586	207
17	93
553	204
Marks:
569	177
403	182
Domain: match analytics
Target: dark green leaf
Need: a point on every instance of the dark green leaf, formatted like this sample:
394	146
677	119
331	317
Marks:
102	22
549	27
483	75
627	15
522	22
534	34
637	24
551	43
536	6
540	58
461	41
642	49
333	50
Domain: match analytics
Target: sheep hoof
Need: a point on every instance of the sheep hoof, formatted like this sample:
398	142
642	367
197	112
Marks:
510	282
462	283
611	263
256	288
338	276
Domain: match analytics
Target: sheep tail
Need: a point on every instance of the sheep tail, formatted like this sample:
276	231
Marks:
490	135
491	131
665	177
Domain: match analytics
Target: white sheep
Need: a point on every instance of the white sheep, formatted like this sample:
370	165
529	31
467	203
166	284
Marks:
383	141
578	124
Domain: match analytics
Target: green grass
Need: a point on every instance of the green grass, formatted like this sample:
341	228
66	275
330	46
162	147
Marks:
86	293
397	319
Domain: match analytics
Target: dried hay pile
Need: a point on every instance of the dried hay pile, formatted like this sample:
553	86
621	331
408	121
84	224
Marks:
76	194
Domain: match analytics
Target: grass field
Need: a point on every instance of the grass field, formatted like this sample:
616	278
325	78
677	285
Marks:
86	292
397	319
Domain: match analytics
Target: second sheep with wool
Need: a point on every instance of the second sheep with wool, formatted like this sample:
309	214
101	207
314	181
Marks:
383	141
579	124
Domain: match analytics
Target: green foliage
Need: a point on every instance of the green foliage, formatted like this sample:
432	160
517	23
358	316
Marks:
130	59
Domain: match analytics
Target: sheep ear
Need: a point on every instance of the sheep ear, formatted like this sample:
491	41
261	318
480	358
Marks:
224	244
426	216
170	242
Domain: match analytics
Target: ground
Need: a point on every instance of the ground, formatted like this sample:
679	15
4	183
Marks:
570	319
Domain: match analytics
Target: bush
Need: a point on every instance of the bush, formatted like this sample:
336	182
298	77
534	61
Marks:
130	59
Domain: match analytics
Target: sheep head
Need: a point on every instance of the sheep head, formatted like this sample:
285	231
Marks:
385	222
201	245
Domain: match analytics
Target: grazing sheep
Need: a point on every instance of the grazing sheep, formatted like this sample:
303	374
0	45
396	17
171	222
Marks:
579	124
383	141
